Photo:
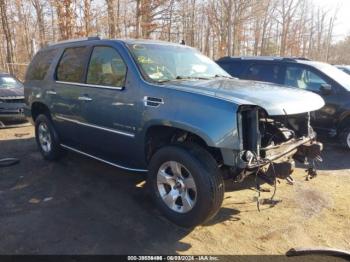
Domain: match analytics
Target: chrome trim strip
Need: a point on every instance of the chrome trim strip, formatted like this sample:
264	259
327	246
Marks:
89	85
84	98
102	160
51	92
12	97
98	127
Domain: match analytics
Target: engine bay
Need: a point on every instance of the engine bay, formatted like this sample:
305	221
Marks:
273	143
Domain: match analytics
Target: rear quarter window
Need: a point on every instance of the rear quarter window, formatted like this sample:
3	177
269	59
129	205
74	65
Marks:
40	65
72	64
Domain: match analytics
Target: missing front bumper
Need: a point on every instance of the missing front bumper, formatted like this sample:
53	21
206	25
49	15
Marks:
279	161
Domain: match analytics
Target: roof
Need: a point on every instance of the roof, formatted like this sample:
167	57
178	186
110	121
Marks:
264	58
148	41
127	41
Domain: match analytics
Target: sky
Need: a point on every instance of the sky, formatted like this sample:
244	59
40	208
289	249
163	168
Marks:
342	23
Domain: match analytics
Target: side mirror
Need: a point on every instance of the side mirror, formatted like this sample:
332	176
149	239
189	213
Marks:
326	89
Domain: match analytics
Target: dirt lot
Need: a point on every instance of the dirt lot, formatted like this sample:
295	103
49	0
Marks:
80	206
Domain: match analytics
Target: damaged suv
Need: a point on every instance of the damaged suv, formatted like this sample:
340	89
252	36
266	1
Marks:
165	109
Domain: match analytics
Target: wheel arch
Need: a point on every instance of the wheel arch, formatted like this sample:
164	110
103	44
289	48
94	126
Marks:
38	108
344	120
159	134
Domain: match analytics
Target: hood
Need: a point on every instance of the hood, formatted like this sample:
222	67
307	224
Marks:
12	92
275	99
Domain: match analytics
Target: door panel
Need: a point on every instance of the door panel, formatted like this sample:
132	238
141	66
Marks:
111	114
66	107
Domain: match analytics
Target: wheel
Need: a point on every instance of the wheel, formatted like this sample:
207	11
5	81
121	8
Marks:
186	184
345	137
47	139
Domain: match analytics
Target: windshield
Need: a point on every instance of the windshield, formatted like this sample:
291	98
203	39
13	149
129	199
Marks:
9	82
336	74
162	63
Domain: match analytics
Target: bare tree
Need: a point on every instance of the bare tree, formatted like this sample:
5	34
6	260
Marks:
39	10
87	17
8	36
111	18
65	18
215	27
287	10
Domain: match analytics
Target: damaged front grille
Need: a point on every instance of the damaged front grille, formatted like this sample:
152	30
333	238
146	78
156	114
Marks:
270	144
12	99
279	133
263	135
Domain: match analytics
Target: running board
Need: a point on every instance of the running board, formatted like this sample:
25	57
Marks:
102	160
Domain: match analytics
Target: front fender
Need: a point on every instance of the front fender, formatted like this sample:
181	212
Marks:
212	119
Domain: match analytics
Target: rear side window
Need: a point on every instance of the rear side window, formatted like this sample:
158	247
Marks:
263	72
106	68
72	65
40	65
234	68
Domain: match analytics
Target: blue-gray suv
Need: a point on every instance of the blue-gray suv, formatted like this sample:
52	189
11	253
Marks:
167	110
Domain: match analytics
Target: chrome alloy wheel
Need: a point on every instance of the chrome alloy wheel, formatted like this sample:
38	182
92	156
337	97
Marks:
44	137
176	187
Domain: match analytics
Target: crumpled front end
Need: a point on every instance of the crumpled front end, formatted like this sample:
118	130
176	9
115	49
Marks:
271	144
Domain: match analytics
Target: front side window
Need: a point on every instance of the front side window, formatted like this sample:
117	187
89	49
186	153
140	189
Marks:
72	65
303	78
161	62
9	82
106	68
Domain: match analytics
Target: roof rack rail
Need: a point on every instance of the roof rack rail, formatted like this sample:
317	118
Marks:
303	58
295	59
75	40
265	58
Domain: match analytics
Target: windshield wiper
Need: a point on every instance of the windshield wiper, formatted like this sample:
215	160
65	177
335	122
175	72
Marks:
229	77
191	77
184	78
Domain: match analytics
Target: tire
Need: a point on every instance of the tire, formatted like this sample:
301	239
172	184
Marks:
345	138
205	196
52	151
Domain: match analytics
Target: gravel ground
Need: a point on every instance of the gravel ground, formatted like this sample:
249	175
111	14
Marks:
81	206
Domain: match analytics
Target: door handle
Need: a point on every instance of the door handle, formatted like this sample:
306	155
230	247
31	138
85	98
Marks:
51	92
84	98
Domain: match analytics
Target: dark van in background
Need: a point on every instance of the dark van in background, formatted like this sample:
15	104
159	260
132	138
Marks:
326	80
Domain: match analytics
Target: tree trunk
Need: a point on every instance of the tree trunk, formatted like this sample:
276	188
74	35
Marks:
8	36
138	18
87	17
111	20
229	27
38	6
65	18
